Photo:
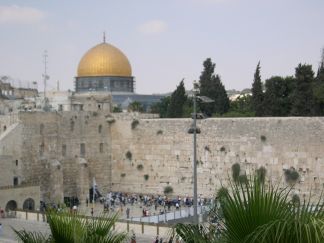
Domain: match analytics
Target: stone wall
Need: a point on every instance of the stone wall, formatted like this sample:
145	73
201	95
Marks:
162	149
10	158
51	152
19	195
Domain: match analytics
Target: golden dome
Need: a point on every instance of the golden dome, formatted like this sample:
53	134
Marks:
104	60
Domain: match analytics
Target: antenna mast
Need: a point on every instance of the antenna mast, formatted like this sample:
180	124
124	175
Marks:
45	76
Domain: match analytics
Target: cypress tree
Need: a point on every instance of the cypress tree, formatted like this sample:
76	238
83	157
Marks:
276	97
302	96
177	101
319	88
257	92
210	85
320	71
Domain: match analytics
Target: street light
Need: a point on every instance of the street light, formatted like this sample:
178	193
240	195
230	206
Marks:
203	99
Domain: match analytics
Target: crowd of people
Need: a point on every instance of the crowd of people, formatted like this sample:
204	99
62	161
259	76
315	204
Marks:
161	204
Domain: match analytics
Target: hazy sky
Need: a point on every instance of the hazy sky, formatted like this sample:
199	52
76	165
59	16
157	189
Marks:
164	40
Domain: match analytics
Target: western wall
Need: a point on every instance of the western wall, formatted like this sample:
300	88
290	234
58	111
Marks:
162	152
61	152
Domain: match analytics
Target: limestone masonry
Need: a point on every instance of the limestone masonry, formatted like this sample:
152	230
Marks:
61	153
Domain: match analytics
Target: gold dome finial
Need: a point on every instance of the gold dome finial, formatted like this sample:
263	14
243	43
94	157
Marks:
104	37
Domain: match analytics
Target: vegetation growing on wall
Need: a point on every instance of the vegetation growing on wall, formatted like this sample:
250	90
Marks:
129	155
140	167
146	177
134	124
261	174
168	190
159	132
236	168
291	175
263	138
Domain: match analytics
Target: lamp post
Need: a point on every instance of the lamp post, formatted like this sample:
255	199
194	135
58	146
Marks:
195	217
203	99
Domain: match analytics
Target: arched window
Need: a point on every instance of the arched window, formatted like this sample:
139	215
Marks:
29	204
11	205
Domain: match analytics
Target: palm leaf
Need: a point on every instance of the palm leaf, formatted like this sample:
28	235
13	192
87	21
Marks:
32	237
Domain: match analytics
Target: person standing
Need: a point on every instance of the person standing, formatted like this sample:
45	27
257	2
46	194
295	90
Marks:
127	213
133	239
0	229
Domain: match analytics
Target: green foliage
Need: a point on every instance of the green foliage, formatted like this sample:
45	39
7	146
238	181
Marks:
146	177
261	174
277	96
291	175
71	228
136	106
122	175
236	114
260	213
168	190
236	169
263	138
295	200
159	132
140	167
241	107
257	93
117	109
161	107
210	85
177	101
243	179
134	124
129	155
33	237
222	193
302	96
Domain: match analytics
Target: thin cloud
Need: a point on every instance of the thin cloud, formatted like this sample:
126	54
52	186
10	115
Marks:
153	27
15	14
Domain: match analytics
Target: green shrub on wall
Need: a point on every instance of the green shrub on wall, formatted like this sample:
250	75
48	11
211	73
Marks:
146	177
291	175
140	167
134	124
236	168
168	190
129	155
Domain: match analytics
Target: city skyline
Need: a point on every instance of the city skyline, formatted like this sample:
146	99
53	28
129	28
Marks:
164	41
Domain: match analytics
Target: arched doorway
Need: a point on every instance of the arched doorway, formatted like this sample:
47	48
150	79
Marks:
29	204
11	205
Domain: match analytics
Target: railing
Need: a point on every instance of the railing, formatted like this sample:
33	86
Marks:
171	216
122	225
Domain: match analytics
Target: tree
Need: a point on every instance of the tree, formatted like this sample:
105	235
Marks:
241	107
276	97
319	88
302	96
162	107
136	106
177	102
320	71
210	85
257	92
